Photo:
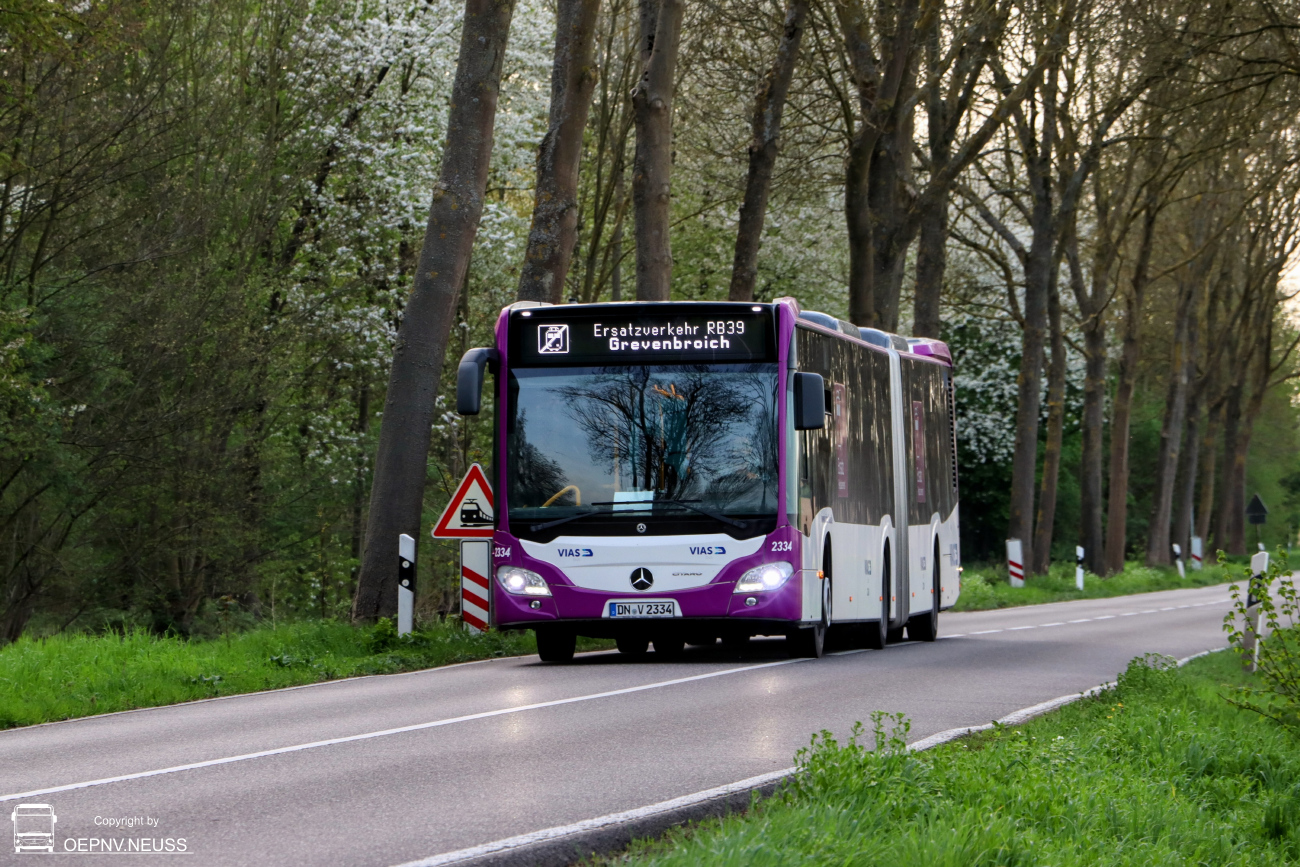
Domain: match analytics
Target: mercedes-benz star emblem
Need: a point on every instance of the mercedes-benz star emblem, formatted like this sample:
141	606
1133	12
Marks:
642	579
640	528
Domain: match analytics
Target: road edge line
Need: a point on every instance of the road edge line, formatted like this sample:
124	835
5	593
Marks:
562	845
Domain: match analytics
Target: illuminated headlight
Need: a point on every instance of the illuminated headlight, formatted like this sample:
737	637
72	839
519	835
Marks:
522	582
767	577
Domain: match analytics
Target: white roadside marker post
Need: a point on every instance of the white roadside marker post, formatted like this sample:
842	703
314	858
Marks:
1178	559
1078	566
405	584
1015	563
1198	551
1251	639
476	585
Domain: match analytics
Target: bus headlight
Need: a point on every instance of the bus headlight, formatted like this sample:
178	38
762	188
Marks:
768	577
522	582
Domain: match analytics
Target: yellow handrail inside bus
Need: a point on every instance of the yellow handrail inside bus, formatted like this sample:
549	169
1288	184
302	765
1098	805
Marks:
577	495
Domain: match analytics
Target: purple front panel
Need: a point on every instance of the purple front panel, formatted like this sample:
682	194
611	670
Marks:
716	599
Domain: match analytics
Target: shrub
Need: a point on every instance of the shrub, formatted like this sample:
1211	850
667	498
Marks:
1275	642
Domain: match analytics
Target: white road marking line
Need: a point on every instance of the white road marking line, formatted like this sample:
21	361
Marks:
1167	609
1128	614
395	731
1045	625
484	715
560	832
1148	611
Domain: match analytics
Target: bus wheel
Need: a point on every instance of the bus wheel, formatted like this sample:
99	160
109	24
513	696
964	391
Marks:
556	645
634	646
878	633
926	626
669	646
810	641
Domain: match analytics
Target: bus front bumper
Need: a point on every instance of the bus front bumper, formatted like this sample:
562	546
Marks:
588	610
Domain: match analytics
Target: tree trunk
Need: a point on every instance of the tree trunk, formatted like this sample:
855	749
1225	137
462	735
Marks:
889	197
1181	370
931	263
1208	475
1229	530
1094	408
397	493
881	83
769	104
1024	461
1185	493
857	217
1046	519
652	104
1122	408
1260	357
554	232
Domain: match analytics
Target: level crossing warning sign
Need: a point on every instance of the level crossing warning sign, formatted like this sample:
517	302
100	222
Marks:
469	514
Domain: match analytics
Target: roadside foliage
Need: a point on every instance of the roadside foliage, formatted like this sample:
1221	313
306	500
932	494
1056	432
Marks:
211	215
1159	770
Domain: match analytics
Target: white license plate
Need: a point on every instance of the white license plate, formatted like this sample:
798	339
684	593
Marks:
641	608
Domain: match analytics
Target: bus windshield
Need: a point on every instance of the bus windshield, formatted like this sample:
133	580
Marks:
601	445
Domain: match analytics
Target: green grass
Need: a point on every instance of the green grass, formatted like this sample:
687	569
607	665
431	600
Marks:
76	675
1161	770
983	588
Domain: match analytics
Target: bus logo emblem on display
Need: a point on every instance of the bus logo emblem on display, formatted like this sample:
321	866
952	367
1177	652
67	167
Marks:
553	339
642	579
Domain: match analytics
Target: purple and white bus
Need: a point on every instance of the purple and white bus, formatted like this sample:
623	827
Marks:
680	472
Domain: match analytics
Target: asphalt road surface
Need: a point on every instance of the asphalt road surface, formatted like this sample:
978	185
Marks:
385	770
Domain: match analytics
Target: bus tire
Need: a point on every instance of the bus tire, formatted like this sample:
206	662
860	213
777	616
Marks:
634	646
926	626
556	645
809	642
877	634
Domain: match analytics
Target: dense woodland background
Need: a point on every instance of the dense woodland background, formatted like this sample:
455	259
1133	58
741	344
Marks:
211	214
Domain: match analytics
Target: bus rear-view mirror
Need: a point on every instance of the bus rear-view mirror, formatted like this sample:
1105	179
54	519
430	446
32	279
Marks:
469	379
809	401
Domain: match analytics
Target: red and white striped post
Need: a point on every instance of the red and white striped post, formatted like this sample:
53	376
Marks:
1016	562
475	584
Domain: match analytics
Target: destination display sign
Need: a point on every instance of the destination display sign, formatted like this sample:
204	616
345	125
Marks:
627	334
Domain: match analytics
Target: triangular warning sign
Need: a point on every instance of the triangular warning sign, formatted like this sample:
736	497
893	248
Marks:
469	514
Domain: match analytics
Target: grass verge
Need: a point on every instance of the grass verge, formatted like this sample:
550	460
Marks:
1161	770
76	675
983	588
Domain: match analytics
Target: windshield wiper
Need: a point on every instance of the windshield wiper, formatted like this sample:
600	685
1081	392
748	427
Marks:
717	516
640	506
567	518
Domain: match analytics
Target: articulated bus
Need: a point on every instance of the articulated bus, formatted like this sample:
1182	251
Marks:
683	472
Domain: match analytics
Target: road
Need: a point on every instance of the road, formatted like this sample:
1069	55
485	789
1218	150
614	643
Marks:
385	770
